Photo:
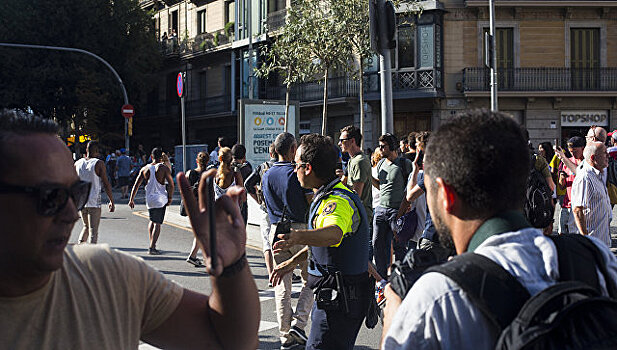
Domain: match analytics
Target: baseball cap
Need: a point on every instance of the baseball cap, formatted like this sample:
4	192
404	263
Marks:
613	134
576	141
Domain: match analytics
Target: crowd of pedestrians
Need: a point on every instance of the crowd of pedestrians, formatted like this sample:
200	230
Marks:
455	194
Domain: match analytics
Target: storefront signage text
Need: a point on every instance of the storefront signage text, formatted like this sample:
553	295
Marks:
584	118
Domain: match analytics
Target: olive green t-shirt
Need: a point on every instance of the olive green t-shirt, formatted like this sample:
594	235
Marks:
99	299
359	170
392	181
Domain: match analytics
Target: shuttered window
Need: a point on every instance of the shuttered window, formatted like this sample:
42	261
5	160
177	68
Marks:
584	57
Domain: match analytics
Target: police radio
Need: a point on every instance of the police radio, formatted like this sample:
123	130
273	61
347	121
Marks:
280	228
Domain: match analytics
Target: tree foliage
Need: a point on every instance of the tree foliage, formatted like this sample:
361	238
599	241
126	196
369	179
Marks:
73	88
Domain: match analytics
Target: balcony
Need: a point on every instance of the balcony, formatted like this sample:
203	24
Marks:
407	83
339	87
567	81
276	20
201	43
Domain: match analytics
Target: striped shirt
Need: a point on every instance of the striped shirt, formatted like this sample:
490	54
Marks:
589	191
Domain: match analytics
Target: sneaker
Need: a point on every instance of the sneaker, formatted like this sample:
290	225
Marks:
295	278
291	343
154	251
195	261
379	295
299	334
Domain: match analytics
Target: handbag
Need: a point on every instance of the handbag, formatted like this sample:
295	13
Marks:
408	223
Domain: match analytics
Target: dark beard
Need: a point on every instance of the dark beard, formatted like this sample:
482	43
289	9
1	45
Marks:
443	232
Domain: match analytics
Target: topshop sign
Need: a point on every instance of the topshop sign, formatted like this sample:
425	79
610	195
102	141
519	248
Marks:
584	118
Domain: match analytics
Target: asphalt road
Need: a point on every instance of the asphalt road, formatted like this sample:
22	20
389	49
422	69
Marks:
126	230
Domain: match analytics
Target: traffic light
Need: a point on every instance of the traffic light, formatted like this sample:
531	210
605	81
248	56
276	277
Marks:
382	23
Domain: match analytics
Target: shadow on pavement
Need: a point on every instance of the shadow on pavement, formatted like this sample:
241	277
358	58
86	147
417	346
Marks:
186	274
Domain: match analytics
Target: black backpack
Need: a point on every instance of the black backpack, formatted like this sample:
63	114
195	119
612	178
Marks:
570	314
539	209
193	177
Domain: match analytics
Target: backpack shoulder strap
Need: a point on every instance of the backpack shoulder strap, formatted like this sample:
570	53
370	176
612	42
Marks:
491	288
578	258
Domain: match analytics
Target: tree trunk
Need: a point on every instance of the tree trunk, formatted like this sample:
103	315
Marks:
287	89
361	94
325	104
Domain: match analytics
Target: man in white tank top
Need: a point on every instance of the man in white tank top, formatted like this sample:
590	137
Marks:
157	197
93	170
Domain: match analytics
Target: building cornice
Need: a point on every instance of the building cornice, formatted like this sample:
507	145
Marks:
545	3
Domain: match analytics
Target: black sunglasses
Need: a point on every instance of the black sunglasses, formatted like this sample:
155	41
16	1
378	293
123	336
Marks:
345	139
53	198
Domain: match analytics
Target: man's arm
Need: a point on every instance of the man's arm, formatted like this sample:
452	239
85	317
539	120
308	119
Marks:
136	185
288	266
375	182
170	181
579	218
567	162
101	172
320	237
393	302
358	187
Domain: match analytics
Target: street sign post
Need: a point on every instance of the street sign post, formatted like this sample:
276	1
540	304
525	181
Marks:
181	93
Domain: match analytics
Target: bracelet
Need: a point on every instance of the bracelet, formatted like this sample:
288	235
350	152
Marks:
234	268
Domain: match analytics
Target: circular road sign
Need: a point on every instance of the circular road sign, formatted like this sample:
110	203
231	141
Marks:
179	85
127	111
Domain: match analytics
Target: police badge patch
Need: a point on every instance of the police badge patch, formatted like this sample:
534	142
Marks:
329	208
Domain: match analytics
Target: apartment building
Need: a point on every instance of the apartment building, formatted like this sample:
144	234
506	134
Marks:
557	63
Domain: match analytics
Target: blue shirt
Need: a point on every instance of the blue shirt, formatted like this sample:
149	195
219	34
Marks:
429	229
281	188
124	165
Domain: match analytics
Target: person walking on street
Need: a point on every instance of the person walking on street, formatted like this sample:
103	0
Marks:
337	237
567	173
590	202
157	198
193	176
254	187
283	192
240	165
123	168
92	169
392	173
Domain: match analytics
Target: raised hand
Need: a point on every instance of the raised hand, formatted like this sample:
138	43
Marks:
230	229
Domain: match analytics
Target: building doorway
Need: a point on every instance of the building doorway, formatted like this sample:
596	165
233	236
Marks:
404	123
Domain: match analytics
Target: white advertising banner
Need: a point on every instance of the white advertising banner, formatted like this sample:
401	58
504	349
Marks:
261	122
584	118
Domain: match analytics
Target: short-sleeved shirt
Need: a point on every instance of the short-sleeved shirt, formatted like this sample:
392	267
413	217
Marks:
392	181
569	181
589	191
123	164
429	228
542	166
99	298
359	170
339	211
282	189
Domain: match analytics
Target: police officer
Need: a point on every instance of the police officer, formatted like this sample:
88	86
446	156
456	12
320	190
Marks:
337	239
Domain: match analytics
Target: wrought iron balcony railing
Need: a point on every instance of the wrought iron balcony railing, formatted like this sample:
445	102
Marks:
406	79
337	87
199	43
542	79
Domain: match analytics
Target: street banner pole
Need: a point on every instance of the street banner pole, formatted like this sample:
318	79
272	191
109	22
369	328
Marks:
494	104
181	93
385	77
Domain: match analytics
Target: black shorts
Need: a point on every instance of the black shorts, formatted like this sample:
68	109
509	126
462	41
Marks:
123	180
157	214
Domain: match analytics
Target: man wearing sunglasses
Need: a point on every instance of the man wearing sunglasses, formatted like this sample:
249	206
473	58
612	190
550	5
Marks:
90	296
91	169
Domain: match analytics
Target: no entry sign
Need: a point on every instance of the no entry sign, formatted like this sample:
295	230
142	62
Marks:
179	84
127	111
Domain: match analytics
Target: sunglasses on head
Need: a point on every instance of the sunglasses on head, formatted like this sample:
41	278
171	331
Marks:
52	198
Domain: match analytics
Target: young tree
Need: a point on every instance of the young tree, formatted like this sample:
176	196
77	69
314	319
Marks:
288	57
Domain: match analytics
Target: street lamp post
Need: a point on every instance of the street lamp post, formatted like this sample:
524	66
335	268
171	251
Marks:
494	104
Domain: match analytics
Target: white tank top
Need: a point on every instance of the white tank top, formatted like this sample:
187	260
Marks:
156	194
86	171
